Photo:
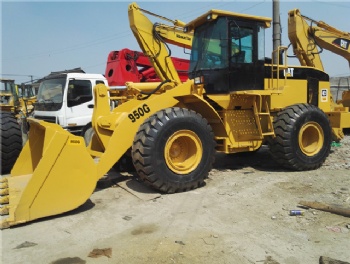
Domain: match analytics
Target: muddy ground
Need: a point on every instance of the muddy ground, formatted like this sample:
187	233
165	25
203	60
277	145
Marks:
241	215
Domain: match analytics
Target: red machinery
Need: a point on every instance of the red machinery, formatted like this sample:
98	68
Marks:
133	66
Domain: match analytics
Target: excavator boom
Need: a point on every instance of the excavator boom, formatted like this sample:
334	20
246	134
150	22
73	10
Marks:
309	40
304	47
152	39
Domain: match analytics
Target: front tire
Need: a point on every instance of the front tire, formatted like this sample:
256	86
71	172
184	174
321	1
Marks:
173	151
303	137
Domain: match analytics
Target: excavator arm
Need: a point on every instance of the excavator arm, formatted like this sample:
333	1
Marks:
153	39
308	40
331	39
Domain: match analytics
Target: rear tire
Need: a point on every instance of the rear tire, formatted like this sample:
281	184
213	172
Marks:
11	141
303	137
173	151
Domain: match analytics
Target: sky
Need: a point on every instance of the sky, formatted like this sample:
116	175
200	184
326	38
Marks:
41	37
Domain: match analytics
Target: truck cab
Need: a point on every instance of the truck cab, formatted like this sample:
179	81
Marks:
67	99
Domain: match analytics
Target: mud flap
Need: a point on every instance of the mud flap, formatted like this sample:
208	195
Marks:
53	174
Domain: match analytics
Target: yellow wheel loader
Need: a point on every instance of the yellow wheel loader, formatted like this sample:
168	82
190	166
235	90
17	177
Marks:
15	104
235	101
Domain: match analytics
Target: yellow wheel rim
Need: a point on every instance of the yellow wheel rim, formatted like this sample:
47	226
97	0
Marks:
183	152
311	138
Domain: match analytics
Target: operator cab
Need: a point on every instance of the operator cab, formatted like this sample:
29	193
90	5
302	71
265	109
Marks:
228	51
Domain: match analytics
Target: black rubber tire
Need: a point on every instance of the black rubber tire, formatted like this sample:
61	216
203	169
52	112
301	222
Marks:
125	163
149	146
87	133
11	141
290	126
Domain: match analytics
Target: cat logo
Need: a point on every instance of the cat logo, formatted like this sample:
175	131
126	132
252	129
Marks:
288	72
344	44
324	95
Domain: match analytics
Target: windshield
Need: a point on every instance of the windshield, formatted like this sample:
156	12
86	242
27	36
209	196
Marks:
26	91
210	46
8	91
7	87
50	94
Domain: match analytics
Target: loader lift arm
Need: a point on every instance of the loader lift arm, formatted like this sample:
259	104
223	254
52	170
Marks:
306	39
152	39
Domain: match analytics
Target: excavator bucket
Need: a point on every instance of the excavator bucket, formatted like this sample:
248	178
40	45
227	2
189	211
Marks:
53	174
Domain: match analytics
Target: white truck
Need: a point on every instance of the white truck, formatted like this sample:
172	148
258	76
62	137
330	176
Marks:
67	99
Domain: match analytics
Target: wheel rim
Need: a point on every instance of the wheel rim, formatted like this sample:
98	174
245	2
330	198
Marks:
311	138
183	152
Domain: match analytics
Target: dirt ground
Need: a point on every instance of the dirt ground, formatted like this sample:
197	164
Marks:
241	215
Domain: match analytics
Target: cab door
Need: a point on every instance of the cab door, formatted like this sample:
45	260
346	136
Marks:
246	63
79	97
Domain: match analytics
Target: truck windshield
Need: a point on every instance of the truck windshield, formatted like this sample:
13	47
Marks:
50	94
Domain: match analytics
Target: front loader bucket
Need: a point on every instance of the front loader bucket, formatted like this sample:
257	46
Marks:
53	174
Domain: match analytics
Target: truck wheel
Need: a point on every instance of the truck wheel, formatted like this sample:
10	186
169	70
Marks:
173	150
303	137
87	133
11	141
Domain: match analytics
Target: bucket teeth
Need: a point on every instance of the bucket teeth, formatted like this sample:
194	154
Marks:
4	210
4	224
4	191
4	199
3	179
4	185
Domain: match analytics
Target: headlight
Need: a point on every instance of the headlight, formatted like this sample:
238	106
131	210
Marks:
198	80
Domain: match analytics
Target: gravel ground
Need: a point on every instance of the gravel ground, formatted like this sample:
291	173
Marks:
241	215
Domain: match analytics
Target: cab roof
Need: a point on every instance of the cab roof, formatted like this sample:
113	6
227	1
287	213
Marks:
213	14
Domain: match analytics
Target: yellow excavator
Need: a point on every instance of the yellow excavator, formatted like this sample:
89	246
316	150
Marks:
309	37
235	101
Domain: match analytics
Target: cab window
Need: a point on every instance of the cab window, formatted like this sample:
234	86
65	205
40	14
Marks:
79	92
241	44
